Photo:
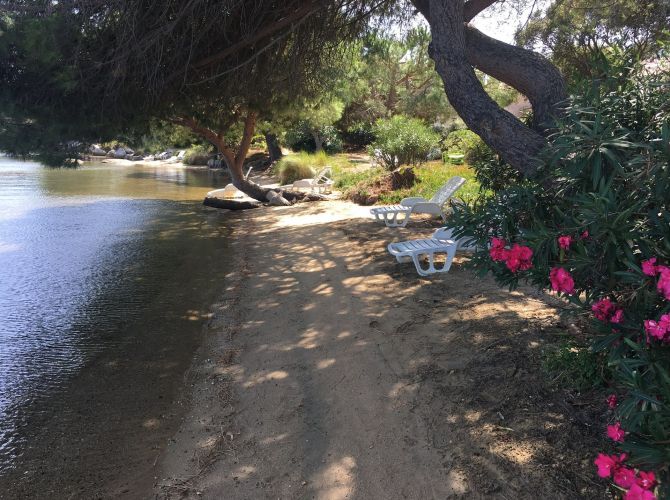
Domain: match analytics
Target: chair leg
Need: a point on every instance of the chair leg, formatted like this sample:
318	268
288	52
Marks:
431	269
391	219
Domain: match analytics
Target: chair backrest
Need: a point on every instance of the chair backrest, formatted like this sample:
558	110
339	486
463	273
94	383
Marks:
324	175
447	191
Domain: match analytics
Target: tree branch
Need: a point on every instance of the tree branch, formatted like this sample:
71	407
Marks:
260	35
526	71
472	8
517	144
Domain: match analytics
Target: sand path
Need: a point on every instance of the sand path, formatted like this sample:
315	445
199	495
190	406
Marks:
330	372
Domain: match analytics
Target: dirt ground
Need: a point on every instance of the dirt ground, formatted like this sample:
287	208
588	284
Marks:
330	371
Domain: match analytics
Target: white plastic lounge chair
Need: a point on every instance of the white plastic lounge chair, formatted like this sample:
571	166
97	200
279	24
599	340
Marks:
398	215
321	182
416	250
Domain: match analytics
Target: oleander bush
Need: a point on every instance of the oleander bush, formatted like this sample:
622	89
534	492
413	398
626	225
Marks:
594	227
401	140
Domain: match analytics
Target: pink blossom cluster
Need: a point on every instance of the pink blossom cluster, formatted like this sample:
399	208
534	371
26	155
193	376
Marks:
611	401
607	312
517	258
638	485
561	281
616	433
660	329
564	242
650	268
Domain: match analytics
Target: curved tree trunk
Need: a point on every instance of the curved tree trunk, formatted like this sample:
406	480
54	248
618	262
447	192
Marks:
274	150
455	53
524	70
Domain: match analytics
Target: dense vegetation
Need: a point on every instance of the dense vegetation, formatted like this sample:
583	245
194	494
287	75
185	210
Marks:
594	227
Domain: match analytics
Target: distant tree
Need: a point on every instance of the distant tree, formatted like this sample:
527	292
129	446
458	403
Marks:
319	114
575	32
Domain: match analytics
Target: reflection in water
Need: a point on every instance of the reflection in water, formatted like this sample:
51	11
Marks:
82	253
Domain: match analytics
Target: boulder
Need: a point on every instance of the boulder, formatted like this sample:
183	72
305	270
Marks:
96	150
120	153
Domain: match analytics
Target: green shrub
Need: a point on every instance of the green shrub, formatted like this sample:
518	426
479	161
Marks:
299	166
492	172
461	141
576	366
197	155
402	141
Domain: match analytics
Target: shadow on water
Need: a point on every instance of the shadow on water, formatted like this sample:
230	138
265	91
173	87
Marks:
102	305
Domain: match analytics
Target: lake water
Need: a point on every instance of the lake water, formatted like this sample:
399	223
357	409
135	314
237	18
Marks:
108	267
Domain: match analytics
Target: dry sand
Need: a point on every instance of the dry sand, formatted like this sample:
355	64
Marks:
329	371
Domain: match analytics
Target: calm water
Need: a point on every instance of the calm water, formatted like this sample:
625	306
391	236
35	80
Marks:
88	260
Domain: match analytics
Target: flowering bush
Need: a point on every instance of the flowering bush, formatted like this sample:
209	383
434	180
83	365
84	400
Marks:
594	227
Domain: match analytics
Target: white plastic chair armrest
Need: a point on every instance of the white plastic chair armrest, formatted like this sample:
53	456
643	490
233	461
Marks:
410	202
443	233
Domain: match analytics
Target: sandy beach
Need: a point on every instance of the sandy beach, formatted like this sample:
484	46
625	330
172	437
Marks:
330	371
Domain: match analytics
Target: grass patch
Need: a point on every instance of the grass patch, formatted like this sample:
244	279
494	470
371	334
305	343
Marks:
576	366
304	165
431	176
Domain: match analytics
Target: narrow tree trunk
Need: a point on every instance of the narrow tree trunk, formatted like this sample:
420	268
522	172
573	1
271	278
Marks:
273	147
517	144
318	141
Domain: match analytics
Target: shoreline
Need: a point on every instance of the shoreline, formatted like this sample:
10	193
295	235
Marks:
330	371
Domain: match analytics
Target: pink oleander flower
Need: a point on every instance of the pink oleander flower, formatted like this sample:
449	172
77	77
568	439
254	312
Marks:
624	477
611	401
585	235
646	480
564	242
616	433
497	250
638	493
603	309
655	329
663	284
519	258
608	463
649	267
561	281
617	317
